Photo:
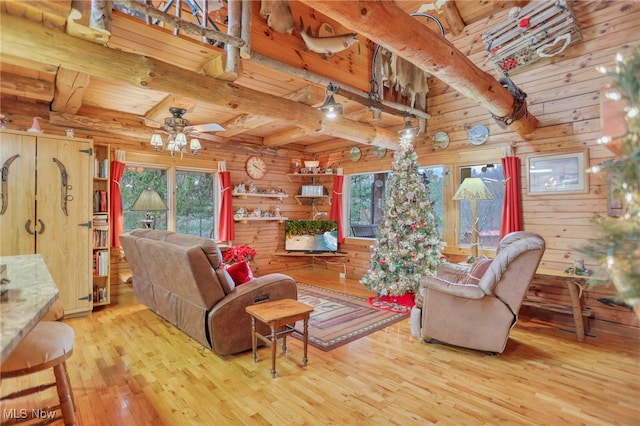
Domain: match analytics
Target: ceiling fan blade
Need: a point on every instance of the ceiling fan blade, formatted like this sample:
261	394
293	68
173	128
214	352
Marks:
211	127
208	137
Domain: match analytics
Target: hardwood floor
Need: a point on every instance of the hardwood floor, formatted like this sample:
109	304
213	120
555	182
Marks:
129	366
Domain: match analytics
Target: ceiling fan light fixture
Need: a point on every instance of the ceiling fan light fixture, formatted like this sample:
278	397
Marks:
330	107
156	141
195	146
176	121
180	140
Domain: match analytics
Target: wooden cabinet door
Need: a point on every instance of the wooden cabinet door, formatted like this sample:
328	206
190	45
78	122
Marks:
65	211
18	162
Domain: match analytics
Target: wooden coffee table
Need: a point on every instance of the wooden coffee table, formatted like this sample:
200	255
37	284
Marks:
280	316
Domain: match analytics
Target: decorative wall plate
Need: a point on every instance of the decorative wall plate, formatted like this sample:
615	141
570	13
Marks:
355	154
379	152
440	140
478	134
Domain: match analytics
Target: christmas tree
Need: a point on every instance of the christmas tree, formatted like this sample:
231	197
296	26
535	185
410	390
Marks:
408	245
617	250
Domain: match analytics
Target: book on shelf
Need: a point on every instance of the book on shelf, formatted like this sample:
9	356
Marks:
100	262
99	200
100	238
99	294
100	168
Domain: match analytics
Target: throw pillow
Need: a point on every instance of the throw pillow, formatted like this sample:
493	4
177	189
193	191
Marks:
480	266
240	272
225	279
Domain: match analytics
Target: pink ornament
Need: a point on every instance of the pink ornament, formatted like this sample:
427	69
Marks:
35	125
524	22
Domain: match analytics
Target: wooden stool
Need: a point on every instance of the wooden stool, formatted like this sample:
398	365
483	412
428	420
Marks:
280	316
48	345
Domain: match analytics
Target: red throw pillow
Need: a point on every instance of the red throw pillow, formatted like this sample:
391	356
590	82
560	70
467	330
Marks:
240	272
480	266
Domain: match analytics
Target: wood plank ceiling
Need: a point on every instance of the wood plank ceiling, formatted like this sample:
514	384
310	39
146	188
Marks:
112	105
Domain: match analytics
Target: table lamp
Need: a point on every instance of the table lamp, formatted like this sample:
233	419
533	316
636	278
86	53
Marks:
149	201
473	189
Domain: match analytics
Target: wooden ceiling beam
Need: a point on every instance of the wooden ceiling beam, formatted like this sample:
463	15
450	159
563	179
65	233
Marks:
452	15
24	38
156	115
245	122
26	87
69	91
391	27
286	137
95	124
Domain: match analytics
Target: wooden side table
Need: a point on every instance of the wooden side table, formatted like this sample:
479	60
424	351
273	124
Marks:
280	316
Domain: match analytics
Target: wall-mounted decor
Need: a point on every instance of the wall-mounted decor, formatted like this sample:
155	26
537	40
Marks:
478	134
379	151
440	140
355	154
558	173
535	31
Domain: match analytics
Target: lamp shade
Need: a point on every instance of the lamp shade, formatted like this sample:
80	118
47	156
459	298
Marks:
408	131
180	140
331	108
472	189
156	141
149	200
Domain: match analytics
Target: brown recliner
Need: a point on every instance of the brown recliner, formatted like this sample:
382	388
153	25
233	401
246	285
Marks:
181	278
479	316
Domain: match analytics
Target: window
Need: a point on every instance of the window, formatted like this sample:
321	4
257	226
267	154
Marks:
434	177
366	203
194	201
367	194
489	211
191	206
134	180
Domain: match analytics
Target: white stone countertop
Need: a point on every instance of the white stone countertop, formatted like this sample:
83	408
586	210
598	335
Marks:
25	299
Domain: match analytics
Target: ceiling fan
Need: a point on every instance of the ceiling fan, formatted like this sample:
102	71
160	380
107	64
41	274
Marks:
176	123
178	129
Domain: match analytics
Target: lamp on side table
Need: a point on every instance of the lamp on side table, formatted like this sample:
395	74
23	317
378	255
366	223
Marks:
149	201
473	189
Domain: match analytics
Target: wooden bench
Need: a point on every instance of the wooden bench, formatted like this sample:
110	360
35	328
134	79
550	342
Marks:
575	286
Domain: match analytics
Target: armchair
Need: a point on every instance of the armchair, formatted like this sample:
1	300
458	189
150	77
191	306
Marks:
453	308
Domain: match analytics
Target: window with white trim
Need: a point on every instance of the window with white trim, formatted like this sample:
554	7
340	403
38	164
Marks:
188	193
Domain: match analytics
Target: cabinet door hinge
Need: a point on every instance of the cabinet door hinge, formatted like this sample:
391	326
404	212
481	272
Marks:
87	151
88	297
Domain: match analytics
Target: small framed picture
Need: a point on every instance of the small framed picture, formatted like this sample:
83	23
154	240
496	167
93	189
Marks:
558	173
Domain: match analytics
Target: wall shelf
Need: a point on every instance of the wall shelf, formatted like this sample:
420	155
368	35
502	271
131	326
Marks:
304	254
311	199
259	219
252	194
302	177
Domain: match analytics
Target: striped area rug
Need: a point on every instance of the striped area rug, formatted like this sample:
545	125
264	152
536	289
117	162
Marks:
339	318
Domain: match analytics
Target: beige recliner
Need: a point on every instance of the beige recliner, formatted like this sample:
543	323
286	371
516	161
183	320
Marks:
451	309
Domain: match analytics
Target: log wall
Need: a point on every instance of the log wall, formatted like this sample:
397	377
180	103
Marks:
563	93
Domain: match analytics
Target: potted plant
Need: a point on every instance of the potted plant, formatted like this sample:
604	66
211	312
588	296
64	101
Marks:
235	254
